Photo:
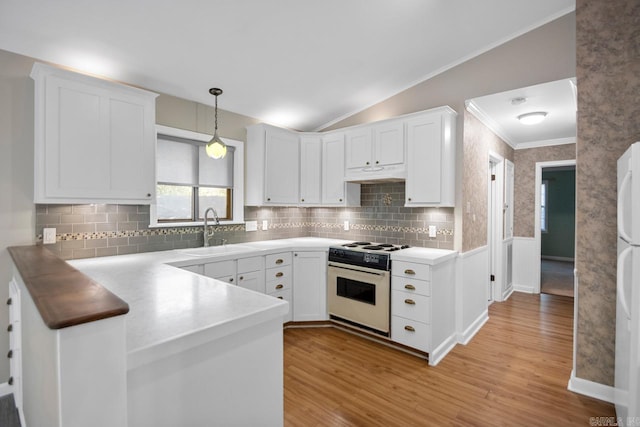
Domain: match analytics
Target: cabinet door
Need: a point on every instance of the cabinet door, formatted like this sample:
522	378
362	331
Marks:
359	150
97	143
253	280
310	170
309	286
388	144
281	167
424	171
333	169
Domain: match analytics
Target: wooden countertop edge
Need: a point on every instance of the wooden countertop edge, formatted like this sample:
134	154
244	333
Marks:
63	295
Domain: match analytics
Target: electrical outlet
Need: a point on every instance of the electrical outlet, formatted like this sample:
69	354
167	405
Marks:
48	236
265	225
346	225
432	231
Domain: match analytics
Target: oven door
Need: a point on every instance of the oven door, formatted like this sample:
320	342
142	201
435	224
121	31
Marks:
360	295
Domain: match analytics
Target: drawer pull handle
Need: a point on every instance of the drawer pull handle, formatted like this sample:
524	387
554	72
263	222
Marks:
410	287
10	354
279	261
9	301
279	286
280	298
409	301
231	280
9	328
410	272
409	328
241	277
279	274
10	381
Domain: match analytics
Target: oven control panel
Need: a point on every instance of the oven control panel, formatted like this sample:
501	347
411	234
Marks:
379	261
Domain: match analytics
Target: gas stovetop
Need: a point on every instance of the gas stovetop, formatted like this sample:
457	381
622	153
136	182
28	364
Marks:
373	247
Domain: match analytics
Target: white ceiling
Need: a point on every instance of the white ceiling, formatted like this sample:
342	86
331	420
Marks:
557	99
298	63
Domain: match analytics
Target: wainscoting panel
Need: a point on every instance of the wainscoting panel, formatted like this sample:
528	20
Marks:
526	268
471	292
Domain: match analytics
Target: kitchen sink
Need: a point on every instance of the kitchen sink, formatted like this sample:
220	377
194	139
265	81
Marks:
214	250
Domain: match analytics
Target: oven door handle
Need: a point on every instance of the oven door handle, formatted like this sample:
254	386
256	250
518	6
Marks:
368	271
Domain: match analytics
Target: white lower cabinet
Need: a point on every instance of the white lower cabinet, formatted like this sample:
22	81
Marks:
251	273
309	286
422	307
221	270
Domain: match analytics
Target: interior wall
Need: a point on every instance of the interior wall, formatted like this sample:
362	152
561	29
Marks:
542	55
17	211
608	75
559	239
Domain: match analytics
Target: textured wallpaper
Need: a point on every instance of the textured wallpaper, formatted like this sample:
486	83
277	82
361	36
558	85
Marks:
608	72
478	142
524	185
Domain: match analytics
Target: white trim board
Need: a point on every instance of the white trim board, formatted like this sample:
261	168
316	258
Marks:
590	388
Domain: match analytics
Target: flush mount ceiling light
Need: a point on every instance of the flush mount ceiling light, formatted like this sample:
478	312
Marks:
532	118
216	148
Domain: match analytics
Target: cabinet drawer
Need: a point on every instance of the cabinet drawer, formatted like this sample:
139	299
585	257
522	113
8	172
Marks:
411	270
412	286
278	273
285	294
411	333
220	269
411	306
253	263
277	260
278	285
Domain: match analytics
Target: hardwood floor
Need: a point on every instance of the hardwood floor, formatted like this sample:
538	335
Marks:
514	372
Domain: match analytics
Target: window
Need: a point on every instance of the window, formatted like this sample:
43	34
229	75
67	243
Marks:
544	191
189	182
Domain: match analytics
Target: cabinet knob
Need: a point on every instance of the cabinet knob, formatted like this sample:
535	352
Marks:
410	287
279	286
409	301
377	162
367	163
409	199
230	279
409	272
10	354
241	278
279	274
280	298
302	200
9	301
10	381
409	328
279	261
339	200
268	199
148	194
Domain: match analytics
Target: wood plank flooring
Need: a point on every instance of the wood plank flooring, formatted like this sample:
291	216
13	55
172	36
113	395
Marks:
514	372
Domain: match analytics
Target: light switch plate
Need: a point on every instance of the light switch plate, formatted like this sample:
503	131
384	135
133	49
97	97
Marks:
265	225
48	236
432	231
251	226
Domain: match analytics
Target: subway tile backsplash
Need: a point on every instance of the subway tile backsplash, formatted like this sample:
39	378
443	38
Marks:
85	231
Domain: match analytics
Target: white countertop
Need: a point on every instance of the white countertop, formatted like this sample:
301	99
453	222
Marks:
172	309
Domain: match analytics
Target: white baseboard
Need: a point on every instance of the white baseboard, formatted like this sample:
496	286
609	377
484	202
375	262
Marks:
525	289
591	389
443	349
473	329
507	294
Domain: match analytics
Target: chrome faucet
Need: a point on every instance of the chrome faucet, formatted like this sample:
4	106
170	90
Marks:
206	235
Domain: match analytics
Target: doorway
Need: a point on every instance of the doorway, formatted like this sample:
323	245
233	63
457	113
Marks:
555	227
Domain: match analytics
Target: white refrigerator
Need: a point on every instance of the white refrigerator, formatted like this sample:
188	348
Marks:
627	363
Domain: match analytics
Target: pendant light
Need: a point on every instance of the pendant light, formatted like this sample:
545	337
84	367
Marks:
216	148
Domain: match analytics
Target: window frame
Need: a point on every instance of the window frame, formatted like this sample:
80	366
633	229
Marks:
237	198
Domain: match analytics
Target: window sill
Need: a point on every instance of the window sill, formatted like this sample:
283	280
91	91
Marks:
192	224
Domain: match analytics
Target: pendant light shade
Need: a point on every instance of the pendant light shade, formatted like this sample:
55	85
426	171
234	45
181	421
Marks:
215	148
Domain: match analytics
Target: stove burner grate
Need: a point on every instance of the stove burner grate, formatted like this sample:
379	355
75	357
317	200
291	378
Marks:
373	248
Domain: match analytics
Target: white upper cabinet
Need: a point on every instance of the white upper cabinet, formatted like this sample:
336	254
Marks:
376	151
94	139
273	162
335	191
431	158
310	169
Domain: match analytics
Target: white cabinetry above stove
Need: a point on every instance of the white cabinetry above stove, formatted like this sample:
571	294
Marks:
94	139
